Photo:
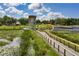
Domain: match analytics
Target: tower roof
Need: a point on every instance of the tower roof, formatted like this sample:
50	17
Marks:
32	16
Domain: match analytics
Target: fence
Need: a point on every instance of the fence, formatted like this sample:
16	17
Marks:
65	42
63	51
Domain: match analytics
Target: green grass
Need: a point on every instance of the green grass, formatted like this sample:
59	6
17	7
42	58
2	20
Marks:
11	27
44	26
64	40
40	47
73	37
3	43
44	47
10	34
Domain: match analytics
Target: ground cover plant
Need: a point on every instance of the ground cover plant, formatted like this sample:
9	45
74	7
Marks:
66	42
10	41
3	43
71	36
44	26
33	44
10	34
12	27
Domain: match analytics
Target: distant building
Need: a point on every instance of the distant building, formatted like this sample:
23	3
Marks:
32	20
17	23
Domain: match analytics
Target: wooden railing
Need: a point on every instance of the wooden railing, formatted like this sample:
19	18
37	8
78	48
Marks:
63	51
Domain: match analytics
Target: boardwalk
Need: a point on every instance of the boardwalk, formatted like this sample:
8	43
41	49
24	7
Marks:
61	48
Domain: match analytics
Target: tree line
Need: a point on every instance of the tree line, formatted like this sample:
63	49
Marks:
24	21
12	21
60	21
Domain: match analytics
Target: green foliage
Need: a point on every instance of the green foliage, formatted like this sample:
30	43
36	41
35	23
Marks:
44	26
73	37
30	37
3	43
11	27
63	40
67	21
10	34
42	48
38	22
12	21
23	21
8	20
26	36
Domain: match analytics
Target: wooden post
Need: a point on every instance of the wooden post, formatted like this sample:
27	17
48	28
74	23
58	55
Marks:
48	40
58	48
54	38
46	37
54	44
60	40
68	44
75	47
64	42
64	52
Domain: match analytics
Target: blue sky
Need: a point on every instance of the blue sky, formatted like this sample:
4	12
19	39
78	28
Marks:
41	10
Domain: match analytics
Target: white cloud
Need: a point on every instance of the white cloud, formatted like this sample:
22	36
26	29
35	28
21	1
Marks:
41	17
2	13
38	8
34	6
25	15
11	4
13	10
9	15
42	10
55	15
23	3
51	15
1	8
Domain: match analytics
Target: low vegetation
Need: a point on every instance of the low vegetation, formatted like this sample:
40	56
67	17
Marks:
63	40
73	37
44	26
11	27
30	39
10	34
3	43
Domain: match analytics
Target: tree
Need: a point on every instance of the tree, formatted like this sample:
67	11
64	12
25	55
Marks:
45	22
38	22
23	21
6	19
60	21
52	21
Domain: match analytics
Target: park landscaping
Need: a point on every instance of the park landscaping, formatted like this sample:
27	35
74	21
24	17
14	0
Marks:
65	41
34	41
44	26
10	34
29	43
12	27
71	36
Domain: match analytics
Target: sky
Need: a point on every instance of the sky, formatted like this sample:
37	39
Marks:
41	10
